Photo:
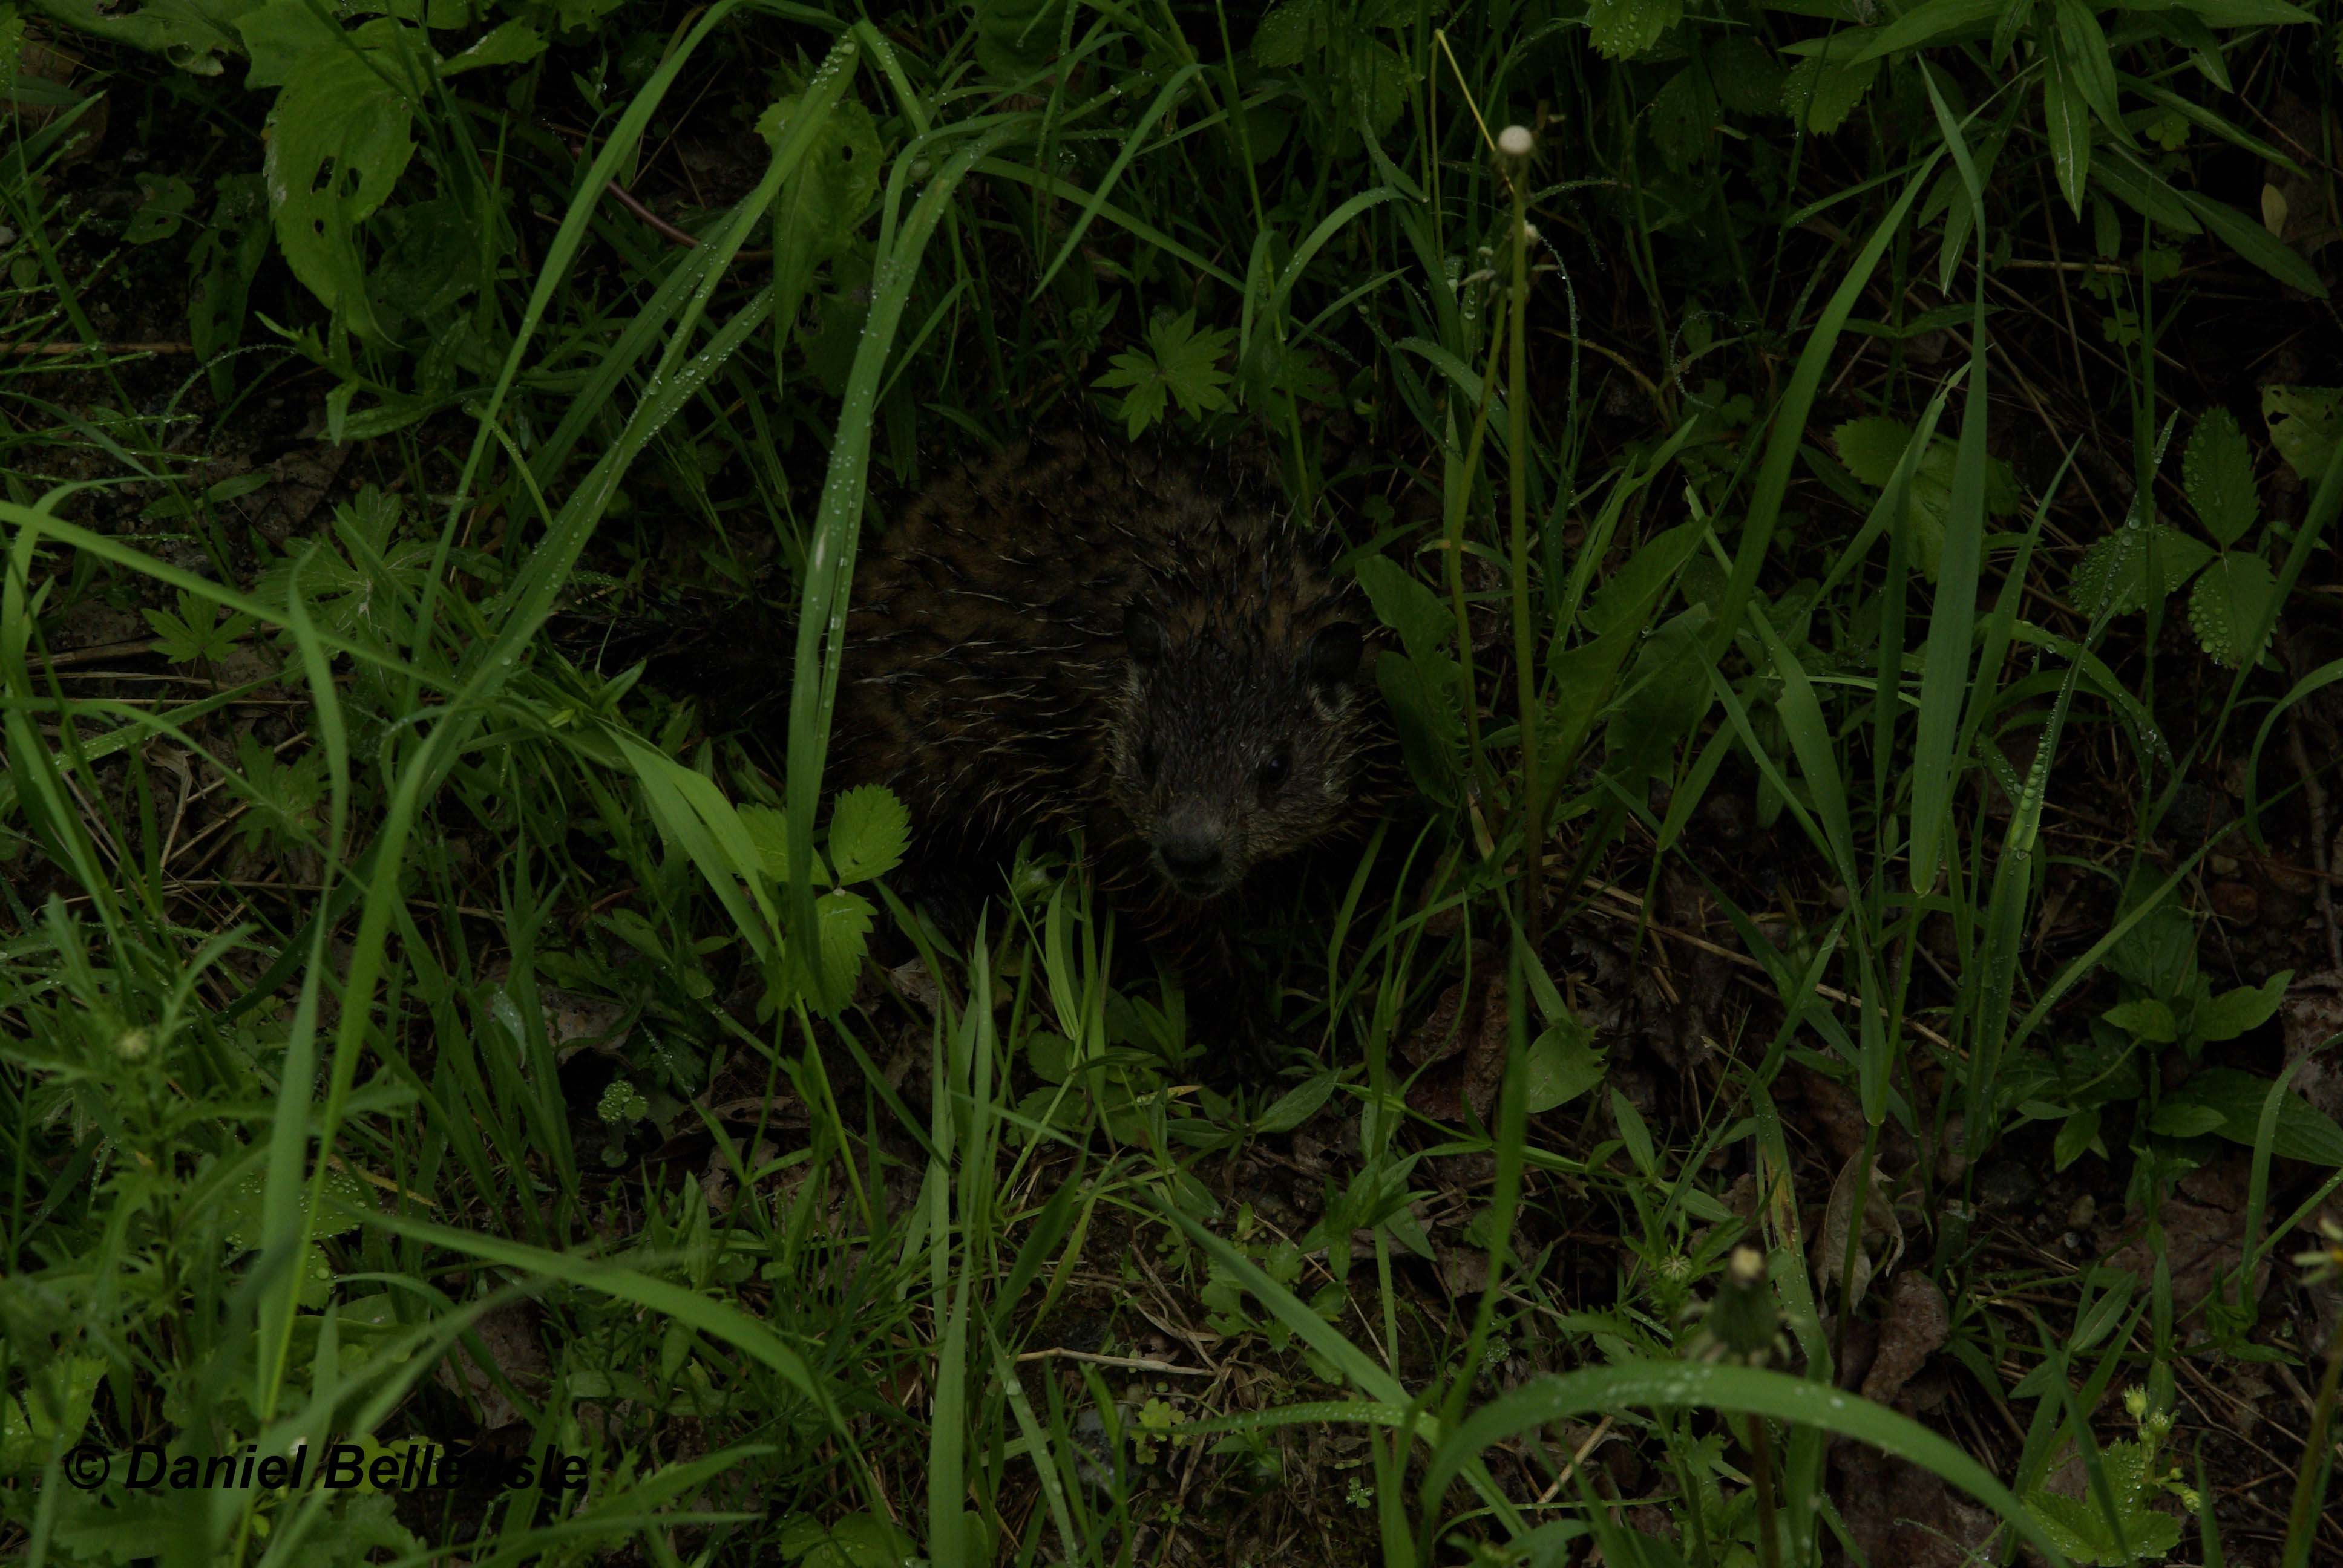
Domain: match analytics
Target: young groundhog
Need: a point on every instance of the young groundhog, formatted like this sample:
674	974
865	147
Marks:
1084	634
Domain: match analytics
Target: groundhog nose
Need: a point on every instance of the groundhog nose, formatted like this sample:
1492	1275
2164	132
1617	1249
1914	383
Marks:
1191	855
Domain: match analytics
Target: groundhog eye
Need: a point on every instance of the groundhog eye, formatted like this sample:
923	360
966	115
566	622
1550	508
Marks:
1272	770
1150	760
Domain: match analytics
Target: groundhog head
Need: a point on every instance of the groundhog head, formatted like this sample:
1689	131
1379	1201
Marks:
1238	740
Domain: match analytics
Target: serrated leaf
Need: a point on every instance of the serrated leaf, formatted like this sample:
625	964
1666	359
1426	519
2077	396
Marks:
2078	1526
1871	446
768	832
1015	38
816	215
1821	92
1184	365
2229	603
1379	81
2305	423
2219	471
1929	504
1683	118
44	1416
240	1208
843	921
1745	75
869	829
1622	29
2113	576
1288	34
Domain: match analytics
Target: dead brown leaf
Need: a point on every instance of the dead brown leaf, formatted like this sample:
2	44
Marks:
1915	1327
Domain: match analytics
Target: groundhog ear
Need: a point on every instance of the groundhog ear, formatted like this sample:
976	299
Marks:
1143	633
1333	653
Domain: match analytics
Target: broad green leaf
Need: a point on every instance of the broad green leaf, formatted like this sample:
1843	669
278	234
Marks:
2231	1013
1627	600
191	33
2075	1136
2304	1132
1296	1105
2229	603
2118	575
1633	1133
2158	953
1424	623
339	136
1015	38
2174	1119
1662	697
1562	1064
2229	12
46	1416
164	209
2146	1018
869	829
281	36
506	43
1936	19
1422	700
816	215
2218	470
1622	29
429	259
2305	423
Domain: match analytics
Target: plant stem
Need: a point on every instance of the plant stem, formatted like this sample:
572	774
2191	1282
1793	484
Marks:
1532	813
1761	1476
2309	1483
